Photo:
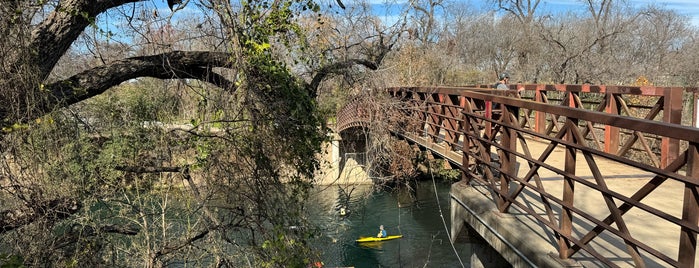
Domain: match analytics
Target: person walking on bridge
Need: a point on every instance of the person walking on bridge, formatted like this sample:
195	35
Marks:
502	83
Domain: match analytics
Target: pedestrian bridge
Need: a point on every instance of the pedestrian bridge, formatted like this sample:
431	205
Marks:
560	175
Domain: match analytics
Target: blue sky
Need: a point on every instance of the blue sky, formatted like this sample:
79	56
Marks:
688	8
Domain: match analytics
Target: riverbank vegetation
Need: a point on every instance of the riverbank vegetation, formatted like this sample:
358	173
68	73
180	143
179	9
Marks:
137	135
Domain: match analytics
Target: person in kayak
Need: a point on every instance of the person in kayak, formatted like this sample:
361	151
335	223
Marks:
382	232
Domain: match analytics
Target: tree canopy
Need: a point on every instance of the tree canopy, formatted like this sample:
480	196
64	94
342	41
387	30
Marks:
133	134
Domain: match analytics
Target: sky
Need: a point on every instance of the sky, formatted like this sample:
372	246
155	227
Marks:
689	8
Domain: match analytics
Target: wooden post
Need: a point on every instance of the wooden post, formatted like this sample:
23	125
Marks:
611	134
690	210
450	125
488	134
436	116
488	114
539	116
672	113
421	99
508	161
468	142
566	219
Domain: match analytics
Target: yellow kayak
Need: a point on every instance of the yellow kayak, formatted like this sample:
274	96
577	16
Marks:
374	239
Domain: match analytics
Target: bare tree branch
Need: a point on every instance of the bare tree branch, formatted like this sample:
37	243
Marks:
57	32
337	68
52	210
141	169
383	45
170	65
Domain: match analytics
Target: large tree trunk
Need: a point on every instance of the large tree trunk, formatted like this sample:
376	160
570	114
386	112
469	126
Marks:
52	38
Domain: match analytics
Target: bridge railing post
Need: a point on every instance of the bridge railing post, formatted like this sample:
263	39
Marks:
672	113
539	116
451	125
508	160
488	114
468	143
690	210
435	116
420	98
566	217
611	133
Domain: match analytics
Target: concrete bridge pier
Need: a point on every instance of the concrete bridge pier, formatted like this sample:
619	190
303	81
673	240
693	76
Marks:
343	163
518	246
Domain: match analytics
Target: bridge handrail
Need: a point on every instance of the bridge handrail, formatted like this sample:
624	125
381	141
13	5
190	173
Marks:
669	130
602	89
670	103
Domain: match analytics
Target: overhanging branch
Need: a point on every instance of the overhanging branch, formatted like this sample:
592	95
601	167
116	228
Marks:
337	68
170	65
137	169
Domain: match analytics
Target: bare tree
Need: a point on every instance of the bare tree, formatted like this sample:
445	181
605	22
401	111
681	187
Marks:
657	54
526	46
425	19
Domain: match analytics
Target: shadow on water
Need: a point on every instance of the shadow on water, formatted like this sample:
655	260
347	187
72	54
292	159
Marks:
416	215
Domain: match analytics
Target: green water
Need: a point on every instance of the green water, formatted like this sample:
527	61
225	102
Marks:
416	216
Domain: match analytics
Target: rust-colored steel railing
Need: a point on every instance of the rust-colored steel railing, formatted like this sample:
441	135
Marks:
354	114
648	102
492	130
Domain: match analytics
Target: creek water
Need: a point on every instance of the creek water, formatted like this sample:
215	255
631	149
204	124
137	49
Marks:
422	216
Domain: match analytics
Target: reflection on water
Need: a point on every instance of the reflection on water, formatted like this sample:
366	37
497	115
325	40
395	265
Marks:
415	215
